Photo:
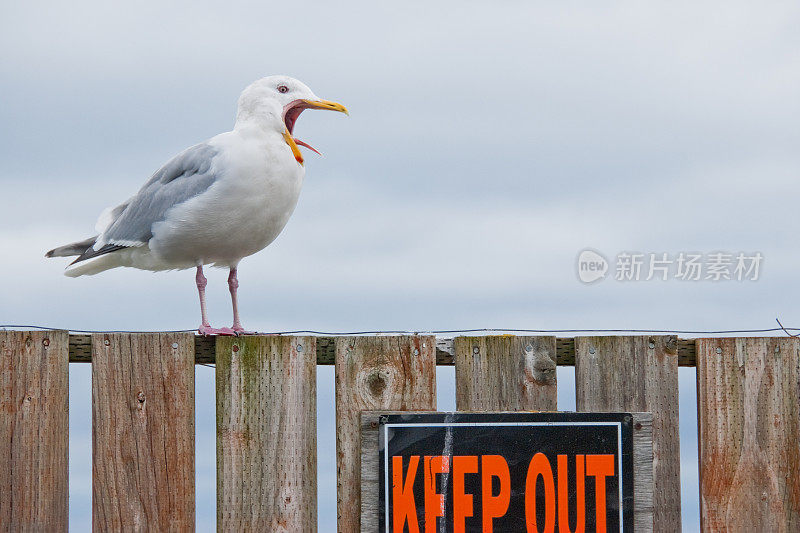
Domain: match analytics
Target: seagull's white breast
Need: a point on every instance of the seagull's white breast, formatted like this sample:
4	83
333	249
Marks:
243	211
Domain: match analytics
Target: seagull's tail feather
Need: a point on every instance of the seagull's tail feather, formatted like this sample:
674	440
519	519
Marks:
93	266
89	260
75	248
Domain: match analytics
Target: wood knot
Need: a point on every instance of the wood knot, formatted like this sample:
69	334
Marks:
376	384
539	367
671	346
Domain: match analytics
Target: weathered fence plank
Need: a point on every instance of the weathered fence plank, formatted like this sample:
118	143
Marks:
748	392
266	434
143	432
375	373
638	373
643	472
370	485
505	373
33	430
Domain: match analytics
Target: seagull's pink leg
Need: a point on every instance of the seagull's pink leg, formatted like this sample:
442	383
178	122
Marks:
201	281
205	328
233	285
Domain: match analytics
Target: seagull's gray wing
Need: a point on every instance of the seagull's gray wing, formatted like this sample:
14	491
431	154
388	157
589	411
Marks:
183	177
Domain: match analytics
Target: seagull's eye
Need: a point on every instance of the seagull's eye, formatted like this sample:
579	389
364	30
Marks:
283	89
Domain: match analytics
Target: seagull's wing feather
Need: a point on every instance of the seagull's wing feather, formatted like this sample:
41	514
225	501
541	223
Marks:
130	224
183	177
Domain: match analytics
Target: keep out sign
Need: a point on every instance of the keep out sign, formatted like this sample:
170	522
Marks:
506	472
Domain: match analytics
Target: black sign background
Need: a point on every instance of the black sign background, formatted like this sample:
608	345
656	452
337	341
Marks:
584	433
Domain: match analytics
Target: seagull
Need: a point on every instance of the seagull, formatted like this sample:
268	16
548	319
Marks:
214	203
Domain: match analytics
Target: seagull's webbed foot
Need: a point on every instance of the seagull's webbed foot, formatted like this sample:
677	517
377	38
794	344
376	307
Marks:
208	330
239	330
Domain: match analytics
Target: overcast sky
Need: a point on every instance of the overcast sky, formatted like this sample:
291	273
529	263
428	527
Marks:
488	144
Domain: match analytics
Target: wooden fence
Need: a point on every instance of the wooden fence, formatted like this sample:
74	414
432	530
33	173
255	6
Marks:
143	419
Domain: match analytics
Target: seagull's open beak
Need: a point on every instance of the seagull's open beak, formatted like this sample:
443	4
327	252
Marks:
290	114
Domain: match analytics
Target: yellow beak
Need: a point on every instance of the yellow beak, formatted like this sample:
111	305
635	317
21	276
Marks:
293	145
326	104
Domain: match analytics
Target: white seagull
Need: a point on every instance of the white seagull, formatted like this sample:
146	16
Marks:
213	203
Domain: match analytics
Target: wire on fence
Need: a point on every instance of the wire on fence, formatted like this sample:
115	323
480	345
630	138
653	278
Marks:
445	331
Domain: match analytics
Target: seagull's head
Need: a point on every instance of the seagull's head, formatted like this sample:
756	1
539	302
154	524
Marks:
275	102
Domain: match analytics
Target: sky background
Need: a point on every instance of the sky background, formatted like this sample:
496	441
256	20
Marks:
488	144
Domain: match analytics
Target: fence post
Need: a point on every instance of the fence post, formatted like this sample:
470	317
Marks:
143	431
395	373
266	434
505	373
638	373
749	433
34	430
